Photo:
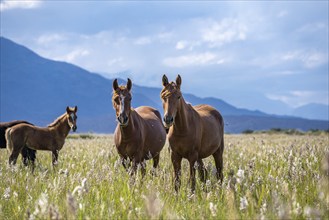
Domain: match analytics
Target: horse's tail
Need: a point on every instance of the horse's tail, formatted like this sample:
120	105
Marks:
9	141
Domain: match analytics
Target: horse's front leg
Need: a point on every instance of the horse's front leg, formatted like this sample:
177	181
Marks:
202	171
176	161
55	157
193	157
136	162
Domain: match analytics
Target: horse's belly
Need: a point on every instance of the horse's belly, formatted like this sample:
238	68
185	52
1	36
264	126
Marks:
183	146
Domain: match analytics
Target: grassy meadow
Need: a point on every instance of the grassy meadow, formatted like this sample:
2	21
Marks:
266	176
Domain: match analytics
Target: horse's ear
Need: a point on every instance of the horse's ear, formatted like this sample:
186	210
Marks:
75	109
68	110
164	80
178	81
129	84
115	84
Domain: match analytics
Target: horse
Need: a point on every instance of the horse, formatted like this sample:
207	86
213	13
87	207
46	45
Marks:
49	138
139	134
195	132
27	153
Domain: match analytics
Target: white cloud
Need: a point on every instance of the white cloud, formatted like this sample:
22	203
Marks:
74	55
181	45
298	98
50	38
196	59
225	31
309	59
13	4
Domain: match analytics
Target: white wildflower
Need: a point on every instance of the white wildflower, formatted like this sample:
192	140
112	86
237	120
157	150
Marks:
213	209
6	194
243	203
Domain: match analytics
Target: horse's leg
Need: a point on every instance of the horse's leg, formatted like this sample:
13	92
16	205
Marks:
125	163
218	156
202	171
55	157
31	156
155	163
14	155
176	161
24	153
193	157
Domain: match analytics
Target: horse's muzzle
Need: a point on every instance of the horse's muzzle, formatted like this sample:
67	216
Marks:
74	128
123	120
168	120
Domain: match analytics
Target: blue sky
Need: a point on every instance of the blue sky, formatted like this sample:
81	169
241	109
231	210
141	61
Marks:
255	54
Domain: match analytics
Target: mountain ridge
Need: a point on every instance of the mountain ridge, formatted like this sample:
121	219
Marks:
39	89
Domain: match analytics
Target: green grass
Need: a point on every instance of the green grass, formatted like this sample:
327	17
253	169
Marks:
265	176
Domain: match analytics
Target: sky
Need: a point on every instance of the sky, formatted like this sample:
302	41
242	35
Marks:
266	55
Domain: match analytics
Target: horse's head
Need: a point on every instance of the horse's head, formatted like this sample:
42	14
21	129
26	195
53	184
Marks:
72	117
121	100
170	96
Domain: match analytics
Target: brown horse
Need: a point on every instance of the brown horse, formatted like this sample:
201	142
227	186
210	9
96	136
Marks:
140	134
27	153
50	138
194	132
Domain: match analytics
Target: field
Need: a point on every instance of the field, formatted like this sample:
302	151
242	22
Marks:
266	176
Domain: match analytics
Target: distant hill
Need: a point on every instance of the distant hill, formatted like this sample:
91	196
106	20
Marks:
38	90
313	111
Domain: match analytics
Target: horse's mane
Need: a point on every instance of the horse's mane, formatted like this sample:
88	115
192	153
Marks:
169	89
57	120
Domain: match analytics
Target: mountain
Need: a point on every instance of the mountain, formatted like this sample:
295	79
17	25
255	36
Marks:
38	90
312	111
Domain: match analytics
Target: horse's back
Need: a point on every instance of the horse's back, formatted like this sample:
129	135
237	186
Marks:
147	112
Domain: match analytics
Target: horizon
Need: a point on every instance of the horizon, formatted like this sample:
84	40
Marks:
271	57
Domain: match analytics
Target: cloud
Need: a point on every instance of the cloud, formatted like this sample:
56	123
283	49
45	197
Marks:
50	39
196	59
298	98
74	55
309	59
181	45
26	4
225	31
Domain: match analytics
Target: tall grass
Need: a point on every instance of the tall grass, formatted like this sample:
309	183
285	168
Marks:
265	177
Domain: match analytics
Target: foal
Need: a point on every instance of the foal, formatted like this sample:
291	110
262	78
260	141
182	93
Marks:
194	132
140	134
50	138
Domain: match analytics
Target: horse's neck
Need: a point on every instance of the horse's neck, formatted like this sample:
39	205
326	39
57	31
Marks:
182	117
127	131
62	128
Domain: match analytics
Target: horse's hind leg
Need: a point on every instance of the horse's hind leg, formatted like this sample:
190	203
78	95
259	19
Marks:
218	156
13	156
55	157
28	155
202	171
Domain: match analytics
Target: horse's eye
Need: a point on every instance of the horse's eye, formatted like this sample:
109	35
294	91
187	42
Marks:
178	97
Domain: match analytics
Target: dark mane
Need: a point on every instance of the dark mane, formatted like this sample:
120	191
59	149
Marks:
54	123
